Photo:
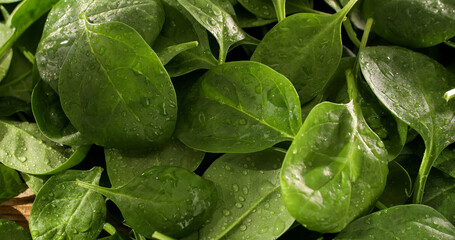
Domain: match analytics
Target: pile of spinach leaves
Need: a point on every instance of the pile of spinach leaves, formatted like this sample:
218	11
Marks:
229	119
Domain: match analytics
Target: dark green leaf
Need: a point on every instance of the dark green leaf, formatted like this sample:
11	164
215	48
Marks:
35	182
412	23
18	83
446	161
239	107
306	48
440	194
398	188
167	54
12	105
10	184
171	200
63	27
124	165
63	210
405	82
5	60
9	230
401	222
265	8
250	204
137	107
24	148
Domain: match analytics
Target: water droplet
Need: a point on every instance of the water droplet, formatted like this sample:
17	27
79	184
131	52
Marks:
238	205
242	121
226	212
243	227
22	159
245	190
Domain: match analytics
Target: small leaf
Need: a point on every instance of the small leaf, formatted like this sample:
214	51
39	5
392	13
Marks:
10	230
167	54
10	183
398	188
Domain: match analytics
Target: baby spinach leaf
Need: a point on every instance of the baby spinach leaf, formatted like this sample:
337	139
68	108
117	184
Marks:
12	105
63	210
24	148
266	8
171	200
440	194
218	22
404	81
412	23
335	169
10	183
63	27
167	54
446	161
10	230
137	106
124	165
35	182
403	222
5	60
18	83
51	119
398	188
306	48
250	204
239	107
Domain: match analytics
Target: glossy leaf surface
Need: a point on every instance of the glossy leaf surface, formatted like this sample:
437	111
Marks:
24	148
10	183
63	27
170	200
446	161
412	23
12	105
398	188
35	182
63	210
239	107
137	106
124	165
421	222
5	60
335	169
250	204
306	48
440	194
9	230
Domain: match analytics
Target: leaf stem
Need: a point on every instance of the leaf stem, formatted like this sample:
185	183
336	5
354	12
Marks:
380	205
351	33
109	228
363	44
280	9
352	88
427	162
160	236
449	94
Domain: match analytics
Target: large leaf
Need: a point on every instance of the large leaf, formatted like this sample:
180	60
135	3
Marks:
137	106
180	27
10	230
440	194
63	27
412	23
239	107
218	22
336	167
250	204
10	183
51	119
170	200
306	48
124	165
400	222
24	148
63	210
405	82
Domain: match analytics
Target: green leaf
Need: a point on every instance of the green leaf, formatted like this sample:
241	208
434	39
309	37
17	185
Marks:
24	148
35	182
10	184
167	54
11	105
250	204
63	27
18	83
5	60
180	27
171	200
404	81
440	194
266	8
306	48
400	222
398	188
10	230
218	22
446	161
51	119
124	165
137	107
63	210
239	107
412	23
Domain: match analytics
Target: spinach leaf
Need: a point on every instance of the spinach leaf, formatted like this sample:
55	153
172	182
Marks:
171	200
35	182
440	193
24	148
10	183
446	161
306	48
137	106
10	230
412	23
239	107
404	81
18	82
12	105
179	27
218	22
398	188
336	167
266	8
421	222
124	165
51	119
63	210
5	60
63	27
250	204
167	54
